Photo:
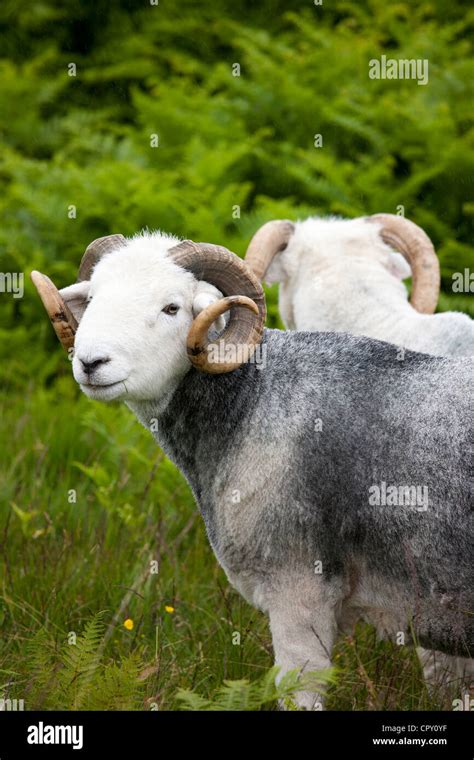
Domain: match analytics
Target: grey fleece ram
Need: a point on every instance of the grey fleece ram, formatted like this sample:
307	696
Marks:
282	461
333	475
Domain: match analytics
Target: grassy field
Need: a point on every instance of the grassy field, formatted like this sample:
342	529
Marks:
87	501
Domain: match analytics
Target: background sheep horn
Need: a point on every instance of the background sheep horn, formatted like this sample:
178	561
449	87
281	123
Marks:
232	277
413	242
271	238
95	251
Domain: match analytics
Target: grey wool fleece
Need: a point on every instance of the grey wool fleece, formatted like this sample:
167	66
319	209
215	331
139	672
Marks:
289	463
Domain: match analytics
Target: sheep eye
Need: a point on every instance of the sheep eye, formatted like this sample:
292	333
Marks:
171	309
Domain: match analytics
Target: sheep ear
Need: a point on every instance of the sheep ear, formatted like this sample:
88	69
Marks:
398	266
275	272
75	296
204	296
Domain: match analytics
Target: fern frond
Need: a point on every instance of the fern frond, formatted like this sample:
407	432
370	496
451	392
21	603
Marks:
242	695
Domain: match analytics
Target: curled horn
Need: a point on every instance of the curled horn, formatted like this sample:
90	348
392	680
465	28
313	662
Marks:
62	319
95	251
411	241
243	296
269	240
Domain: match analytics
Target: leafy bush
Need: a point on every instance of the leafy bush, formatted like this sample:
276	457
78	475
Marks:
224	141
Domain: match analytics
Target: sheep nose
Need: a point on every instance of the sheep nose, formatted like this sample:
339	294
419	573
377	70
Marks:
90	366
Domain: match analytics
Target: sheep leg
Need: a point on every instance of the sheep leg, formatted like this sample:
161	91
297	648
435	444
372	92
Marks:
303	626
442	671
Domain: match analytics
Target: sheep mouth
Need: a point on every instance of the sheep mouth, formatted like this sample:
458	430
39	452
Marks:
100	386
105	391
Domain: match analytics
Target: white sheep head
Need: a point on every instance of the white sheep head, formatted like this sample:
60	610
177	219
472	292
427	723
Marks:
141	311
281	250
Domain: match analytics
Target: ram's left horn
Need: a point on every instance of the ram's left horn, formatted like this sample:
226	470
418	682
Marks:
198	341
62	319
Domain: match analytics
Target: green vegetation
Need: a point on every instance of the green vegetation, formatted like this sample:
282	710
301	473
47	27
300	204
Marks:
77	162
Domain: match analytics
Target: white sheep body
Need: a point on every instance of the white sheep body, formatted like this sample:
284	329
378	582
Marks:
339	276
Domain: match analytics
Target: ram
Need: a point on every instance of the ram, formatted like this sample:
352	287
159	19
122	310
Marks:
331	477
346	275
